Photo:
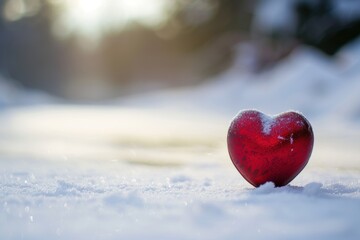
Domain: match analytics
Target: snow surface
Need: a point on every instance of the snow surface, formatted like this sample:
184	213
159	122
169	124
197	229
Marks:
157	167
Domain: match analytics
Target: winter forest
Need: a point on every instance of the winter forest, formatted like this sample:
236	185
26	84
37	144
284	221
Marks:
182	119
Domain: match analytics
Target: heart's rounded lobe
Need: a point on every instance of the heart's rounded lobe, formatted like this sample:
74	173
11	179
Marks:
265	148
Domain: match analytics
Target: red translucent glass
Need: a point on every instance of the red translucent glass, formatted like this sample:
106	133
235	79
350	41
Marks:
265	148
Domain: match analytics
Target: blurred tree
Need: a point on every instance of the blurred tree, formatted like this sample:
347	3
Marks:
280	26
213	37
30	53
196	42
319	25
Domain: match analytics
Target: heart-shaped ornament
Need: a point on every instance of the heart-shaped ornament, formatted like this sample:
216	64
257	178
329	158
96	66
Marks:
270	148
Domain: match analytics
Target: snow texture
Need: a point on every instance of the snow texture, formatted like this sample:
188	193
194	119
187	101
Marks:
157	167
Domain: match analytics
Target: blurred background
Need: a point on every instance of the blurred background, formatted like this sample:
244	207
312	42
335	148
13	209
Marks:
101	49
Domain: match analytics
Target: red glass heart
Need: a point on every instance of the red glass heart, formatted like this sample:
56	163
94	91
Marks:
270	149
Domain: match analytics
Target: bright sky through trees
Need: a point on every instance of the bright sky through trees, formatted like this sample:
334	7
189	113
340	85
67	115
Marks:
90	18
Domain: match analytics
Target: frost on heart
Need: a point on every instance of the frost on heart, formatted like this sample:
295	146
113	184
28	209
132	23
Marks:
267	123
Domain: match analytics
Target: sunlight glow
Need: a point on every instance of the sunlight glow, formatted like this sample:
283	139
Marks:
91	18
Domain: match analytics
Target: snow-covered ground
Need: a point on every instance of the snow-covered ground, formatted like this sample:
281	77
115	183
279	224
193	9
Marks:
157	167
